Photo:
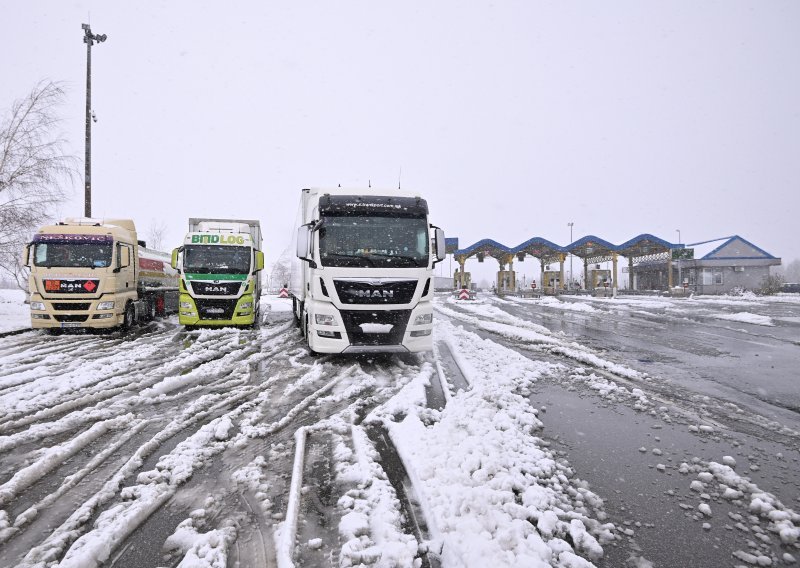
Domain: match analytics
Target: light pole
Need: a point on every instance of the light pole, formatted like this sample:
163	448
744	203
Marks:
680	275
570	224
89	38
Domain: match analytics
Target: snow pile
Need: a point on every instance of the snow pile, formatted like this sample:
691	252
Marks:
201	550
371	523
493	493
746	317
611	391
720	482
555	303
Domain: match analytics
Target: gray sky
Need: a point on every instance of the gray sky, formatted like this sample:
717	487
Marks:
511	118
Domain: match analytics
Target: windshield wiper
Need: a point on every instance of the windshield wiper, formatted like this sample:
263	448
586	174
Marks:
411	259
356	256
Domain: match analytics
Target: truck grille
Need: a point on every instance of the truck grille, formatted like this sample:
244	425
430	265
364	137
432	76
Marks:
70	317
398	319
215	309
220	289
366	292
63	306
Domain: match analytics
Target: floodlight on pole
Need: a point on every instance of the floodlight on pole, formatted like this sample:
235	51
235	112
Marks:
89	38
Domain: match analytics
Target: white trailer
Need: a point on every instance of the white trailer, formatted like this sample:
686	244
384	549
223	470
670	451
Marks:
363	277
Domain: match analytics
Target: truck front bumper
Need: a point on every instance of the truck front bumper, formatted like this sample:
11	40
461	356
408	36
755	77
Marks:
73	314
222	312
352	331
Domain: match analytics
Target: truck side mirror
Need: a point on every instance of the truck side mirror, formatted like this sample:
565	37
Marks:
441	253
303	240
259	260
26	257
174	260
303	250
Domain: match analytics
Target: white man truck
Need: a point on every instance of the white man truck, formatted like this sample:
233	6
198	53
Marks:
363	277
220	266
93	273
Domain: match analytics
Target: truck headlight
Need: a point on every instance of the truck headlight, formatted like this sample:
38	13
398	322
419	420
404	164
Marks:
39	306
324	319
187	305
423	319
246	305
105	305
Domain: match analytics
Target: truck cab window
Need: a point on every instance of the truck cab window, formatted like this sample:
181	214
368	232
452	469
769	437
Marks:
376	241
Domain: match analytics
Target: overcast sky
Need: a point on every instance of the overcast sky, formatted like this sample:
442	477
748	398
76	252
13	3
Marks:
511	118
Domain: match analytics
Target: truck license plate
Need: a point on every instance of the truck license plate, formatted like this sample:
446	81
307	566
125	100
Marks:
70	324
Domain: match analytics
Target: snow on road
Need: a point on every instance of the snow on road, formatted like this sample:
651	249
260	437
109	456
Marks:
225	447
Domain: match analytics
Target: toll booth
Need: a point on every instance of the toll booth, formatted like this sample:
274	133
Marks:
506	282
551	281
462	280
598	277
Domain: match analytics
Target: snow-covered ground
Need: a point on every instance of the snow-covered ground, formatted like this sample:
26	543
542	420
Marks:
14	313
226	447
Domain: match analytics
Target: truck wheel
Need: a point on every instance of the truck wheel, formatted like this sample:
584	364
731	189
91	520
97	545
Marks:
129	318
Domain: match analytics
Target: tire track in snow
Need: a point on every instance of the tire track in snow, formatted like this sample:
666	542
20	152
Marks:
197	411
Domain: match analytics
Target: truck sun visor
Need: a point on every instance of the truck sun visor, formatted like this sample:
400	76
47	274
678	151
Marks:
372	206
65	239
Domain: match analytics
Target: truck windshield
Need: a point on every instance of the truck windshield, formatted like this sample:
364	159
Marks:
384	242
215	259
73	255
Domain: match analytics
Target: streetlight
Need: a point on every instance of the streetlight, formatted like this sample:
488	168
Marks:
570	224
680	274
89	38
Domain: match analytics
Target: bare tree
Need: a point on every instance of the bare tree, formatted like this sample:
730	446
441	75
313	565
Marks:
281	273
771	284
155	234
34	166
792	272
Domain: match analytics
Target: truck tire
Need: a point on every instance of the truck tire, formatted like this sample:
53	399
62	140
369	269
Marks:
130	317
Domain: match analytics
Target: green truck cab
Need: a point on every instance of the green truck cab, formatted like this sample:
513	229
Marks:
220	266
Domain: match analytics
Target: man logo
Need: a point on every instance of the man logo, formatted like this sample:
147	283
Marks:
385	294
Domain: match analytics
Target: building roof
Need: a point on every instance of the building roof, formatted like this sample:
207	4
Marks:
729	248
